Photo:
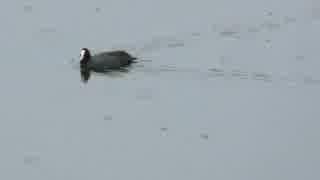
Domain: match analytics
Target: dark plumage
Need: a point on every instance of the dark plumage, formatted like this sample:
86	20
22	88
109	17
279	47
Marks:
105	61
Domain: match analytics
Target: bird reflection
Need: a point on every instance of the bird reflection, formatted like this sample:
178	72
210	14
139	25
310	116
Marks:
86	73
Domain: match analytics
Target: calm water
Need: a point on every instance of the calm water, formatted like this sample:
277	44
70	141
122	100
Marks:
223	90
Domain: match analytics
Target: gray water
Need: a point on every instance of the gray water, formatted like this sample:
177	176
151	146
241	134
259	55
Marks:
225	90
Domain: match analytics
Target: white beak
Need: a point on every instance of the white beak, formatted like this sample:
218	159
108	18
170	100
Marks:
82	52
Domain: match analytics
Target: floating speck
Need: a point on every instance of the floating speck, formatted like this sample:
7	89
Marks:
163	129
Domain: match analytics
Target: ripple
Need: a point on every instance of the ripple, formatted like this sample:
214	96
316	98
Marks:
48	30
262	76
311	80
229	33
195	34
270	25
217	72
175	44
239	74
288	20
253	30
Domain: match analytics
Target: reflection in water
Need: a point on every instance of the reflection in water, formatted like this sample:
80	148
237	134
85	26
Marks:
211	72
86	73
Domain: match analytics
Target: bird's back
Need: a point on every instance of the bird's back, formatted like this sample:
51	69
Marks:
110	60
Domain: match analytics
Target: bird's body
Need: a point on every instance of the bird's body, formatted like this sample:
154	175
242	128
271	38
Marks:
105	61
